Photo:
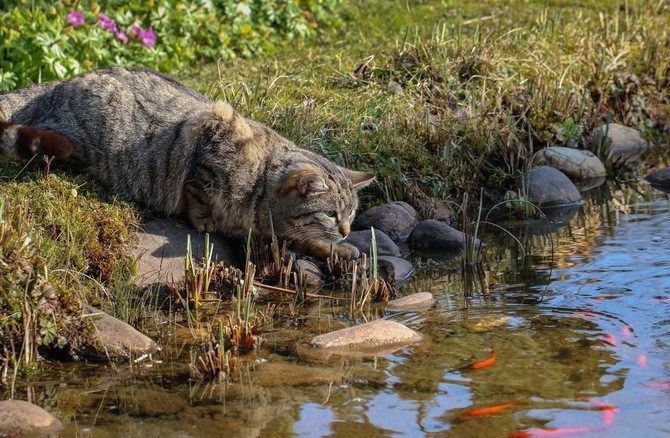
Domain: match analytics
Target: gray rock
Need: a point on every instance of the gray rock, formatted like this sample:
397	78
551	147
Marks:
399	268
623	144
363	241
376	337
396	219
434	235
20	418
660	177
574	163
114	339
312	275
162	247
413	302
586	184
549	187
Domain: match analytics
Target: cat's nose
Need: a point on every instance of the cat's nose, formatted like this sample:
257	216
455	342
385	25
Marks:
345	229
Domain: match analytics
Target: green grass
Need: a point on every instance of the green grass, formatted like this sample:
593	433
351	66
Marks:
438	98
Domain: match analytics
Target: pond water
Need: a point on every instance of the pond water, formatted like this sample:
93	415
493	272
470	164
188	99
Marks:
579	320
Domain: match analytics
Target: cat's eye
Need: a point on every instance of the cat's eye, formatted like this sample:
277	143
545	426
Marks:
332	214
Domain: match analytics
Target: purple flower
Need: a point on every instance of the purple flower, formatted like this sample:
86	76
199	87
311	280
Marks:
106	23
147	37
75	18
121	35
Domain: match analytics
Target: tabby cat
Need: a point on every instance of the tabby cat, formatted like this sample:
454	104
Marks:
153	140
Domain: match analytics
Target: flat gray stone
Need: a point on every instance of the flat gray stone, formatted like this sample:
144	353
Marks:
369	338
396	220
20	418
549	187
659	177
162	247
114	339
399	268
432	235
312	275
575	163
413	302
623	144
363	241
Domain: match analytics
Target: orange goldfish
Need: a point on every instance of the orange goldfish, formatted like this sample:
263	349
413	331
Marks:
490	410
551	431
486	362
607	410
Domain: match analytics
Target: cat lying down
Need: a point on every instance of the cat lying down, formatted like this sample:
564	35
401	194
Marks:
152	140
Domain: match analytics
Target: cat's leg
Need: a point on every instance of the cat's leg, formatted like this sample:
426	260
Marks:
322	249
198	208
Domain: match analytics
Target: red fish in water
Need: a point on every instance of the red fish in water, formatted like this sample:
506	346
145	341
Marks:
626	332
584	314
490	410
654	384
642	360
486	362
610	339
607	410
551	431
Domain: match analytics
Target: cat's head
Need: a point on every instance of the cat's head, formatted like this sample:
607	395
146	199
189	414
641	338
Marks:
318	202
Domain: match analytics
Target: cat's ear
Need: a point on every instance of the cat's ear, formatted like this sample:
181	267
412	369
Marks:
306	181
360	179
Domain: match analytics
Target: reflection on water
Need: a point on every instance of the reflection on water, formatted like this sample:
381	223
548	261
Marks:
577	317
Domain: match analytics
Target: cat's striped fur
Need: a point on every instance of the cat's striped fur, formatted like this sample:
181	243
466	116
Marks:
153	140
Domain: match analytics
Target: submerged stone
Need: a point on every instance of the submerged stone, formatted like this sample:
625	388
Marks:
574	163
363	241
432	235
413	302
20	418
114	339
549	187
659	177
376	337
396	219
289	374
621	142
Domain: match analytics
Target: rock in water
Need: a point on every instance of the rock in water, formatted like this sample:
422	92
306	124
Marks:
376	337
413	302
660	177
396	220
363	241
114	339
574	163
549	187
433	235
399	268
20	418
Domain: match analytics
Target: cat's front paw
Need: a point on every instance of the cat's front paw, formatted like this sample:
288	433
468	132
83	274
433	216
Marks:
346	251
206	225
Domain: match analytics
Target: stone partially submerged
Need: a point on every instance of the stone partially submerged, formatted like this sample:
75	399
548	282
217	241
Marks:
414	302
549	187
20	418
377	337
396	219
660	177
432	235
114	339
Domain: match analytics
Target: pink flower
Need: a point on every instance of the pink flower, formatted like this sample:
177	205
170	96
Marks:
75	18
121	35
106	23
147	37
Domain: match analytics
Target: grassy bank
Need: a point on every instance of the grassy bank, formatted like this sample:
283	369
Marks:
440	98
437	98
